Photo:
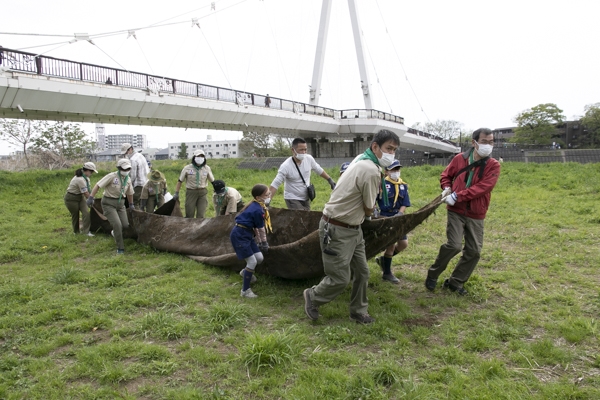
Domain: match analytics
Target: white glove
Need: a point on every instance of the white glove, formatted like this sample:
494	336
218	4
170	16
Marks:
446	192
451	199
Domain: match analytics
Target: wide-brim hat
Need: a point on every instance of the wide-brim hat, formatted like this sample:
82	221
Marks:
394	165
156	176
125	147
124	163
90	166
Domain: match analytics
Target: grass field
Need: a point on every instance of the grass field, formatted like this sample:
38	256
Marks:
79	322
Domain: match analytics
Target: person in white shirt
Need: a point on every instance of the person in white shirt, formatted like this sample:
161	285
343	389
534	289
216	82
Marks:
139	171
295	191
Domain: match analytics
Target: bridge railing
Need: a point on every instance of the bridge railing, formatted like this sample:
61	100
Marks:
31	63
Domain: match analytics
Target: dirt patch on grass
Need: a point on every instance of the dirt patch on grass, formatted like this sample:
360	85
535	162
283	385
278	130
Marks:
422	320
59	230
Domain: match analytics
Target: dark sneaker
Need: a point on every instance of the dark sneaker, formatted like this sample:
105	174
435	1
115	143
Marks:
311	311
390	278
362	318
430	284
460	291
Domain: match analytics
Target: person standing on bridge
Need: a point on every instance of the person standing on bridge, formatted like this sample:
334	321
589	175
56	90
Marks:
467	184
295	174
340	233
139	171
196	177
267	101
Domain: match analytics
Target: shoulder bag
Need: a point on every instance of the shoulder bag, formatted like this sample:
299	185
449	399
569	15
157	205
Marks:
310	189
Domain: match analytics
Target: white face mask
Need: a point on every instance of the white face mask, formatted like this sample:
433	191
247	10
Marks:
124	173
199	160
485	150
266	200
395	175
299	157
386	159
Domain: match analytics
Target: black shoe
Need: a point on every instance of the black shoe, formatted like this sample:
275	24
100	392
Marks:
430	284
460	291
311	311
362	318
390	278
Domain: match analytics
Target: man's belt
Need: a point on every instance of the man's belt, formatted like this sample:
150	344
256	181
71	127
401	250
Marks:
244	227
338	223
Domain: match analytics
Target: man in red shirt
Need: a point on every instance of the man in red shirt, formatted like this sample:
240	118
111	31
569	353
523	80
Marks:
467	182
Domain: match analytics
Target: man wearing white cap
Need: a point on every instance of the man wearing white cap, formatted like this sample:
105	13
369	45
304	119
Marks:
139	171
196	177
76	196
117	185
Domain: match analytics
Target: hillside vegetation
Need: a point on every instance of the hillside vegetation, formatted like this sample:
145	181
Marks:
79	322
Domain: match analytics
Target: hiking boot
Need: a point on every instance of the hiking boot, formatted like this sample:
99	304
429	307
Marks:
311	311
120	251
460	291
362	318
90	234
252	280
248	293
430	283
390	278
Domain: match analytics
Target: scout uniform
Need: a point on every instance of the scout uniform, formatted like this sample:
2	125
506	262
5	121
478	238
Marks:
75	199
153	193
196	178
226	200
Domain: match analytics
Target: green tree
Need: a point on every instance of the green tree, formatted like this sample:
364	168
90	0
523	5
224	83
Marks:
538	124
446	129
62	143
20	132
182	155
591	120
281	147
255	143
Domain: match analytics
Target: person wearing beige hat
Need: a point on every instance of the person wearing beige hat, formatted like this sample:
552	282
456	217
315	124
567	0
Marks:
153	193
196	177
117	185
76	196
139	171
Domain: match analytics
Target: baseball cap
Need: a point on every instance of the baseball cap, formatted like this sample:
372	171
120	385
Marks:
344	167
91	166
125	147
394	165
124	163
219	186
199	152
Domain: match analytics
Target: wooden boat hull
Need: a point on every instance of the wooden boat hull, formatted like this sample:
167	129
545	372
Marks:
294	252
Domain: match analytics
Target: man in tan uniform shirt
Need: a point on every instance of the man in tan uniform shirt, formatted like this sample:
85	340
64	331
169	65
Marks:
340	234
226	200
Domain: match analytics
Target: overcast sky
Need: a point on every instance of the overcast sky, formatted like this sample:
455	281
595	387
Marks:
476	62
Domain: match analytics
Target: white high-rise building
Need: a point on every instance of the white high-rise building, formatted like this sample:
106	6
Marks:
212	149
115	141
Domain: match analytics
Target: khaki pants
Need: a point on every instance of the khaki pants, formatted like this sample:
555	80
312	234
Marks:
238	207
75	204
196	202
351	260
137	193
116	214
298	204
151	203
457	227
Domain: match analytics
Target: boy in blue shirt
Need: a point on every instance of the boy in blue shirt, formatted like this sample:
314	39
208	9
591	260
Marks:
398	200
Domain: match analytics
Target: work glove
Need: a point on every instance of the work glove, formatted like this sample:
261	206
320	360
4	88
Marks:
131	206
331	183
446	192
263	247
143	203
451	199
176	196
90	201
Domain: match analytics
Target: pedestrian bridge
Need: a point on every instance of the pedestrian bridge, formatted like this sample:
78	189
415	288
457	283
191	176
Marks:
47	88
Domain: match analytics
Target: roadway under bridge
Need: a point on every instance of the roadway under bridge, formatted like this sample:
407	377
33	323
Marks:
46	88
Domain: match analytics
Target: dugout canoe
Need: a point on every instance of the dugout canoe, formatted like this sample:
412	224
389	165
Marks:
294	252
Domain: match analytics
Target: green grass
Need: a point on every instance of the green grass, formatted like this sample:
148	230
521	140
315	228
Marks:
76	321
